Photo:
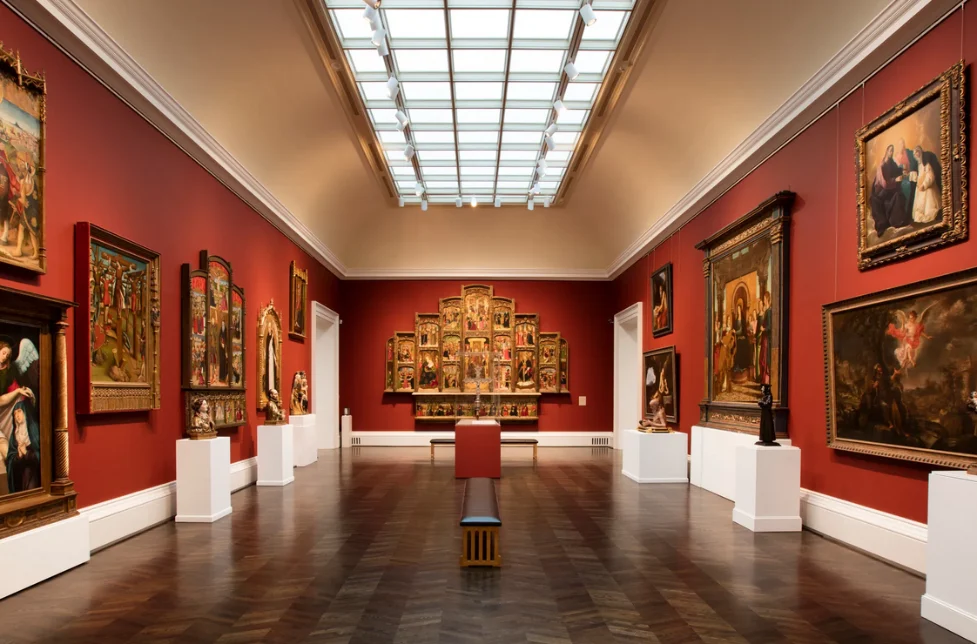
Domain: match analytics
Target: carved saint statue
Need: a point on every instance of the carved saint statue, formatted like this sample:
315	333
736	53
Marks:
300	394
274	414
768	434
201	424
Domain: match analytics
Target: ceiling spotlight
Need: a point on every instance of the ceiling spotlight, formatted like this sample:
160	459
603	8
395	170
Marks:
572	71
369	14
401	202
550	143
498	202
402	120
458	202
588	15
379	36
393	87
418	188
409	152
424	205
559	107
551	130
373	3
530	205
383	50
474	201
546	202
535	189
542	167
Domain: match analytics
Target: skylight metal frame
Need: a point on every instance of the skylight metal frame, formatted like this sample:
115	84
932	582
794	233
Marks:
473	175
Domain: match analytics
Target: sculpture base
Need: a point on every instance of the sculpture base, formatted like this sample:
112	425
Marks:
304	439
478	449
33	556
972	470
768	489
767	444
202	436
655	457
276	455
203	479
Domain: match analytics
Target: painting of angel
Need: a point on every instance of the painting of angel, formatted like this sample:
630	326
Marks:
20	405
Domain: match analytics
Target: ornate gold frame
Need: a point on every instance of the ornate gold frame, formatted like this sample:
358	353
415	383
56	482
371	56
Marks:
949	88
269	322
296	324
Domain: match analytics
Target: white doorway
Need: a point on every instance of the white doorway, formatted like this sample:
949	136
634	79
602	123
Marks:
325	375
627	371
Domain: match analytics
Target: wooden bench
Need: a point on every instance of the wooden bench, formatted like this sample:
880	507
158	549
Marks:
480	523
505	441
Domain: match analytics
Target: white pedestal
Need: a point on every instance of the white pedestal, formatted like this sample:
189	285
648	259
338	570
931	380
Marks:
305	438
713	458
33	556
655	458
951	569
347	430
768	488
276	446
203	479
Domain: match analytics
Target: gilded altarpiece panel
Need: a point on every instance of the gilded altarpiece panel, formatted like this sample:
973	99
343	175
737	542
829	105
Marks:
526	330
503	343
428	332
477	338
549	363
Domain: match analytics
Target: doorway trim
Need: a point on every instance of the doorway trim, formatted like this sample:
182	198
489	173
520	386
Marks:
627	370
325	375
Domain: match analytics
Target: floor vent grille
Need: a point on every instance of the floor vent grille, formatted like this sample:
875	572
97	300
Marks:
599	441
355	440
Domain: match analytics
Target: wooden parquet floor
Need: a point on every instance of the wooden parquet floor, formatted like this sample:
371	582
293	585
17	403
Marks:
363	549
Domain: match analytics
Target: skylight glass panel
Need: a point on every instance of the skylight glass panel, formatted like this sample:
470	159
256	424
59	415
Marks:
518	155
374	91
435	155
477	185
391	136
479	23
478	60
543	24
468	171
351	23
580	91
513	186
537	116
478	155
479	116
572	117
402	171
421	60
441	185
477	137
429	115
415	23
566	138
439	170
365	60
607	27
557	156
522	138
478	91
421	136
383	116
530	91
538	61
422	91
592	62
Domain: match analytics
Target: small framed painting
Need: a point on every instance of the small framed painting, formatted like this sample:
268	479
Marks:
661	301
297	300
660	386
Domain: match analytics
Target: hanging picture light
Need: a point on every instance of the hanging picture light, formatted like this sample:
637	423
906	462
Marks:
588	15
535	189
550	143
370	15
546	202
401	202
542	167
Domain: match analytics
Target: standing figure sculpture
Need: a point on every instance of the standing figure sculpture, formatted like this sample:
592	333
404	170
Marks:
768	435
300	394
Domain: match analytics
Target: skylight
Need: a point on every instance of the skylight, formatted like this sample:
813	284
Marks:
476	81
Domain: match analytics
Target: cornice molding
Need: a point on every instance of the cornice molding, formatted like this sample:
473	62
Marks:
73	31
581	274
894	28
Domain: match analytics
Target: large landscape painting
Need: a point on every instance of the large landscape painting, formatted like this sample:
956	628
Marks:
901	369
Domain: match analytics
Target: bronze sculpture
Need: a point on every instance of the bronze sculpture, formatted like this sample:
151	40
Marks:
768	435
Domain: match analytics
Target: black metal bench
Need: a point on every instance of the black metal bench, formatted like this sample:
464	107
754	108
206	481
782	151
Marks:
505	441
480	523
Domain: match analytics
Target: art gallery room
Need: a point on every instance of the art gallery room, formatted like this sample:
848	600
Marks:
461	321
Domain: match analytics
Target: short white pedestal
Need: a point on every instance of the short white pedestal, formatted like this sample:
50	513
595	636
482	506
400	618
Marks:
33	556
768	488
306	451
346	425
951	569
655	458
276	446
203	479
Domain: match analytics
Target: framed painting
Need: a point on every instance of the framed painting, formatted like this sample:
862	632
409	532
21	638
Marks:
660	402
22	141
912	174
451	377
34	484
746	275
900	372
549	363
661	301
405	345
388	383
427	368
298	298
564	366
269	353
117	287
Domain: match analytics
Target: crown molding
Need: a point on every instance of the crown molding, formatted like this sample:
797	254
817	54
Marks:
897	26
74	32
579	274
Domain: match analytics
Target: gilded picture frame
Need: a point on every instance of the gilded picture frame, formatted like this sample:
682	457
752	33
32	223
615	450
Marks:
899	372
911	168
23	138
660	379
117	287
269	366
298	299
660	285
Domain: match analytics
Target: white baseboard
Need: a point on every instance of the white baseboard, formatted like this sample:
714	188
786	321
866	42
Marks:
423	438
950	617
117	519
637	479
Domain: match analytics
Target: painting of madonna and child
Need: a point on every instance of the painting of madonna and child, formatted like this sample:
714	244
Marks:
902	370
21	454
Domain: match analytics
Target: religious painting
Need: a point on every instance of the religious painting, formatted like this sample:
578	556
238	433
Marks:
901	370
549	349
219	286
405	347
237	336
503	348
661	301
502	380
269	354
503	309
912	173
428	369
476	371
22	141
198	330
548	381
478	309
297	301
527	329
660	403
389	378
405	378
428	329
451	377
526	370
117	287
746	317
564	366
451	348
450	308
34	484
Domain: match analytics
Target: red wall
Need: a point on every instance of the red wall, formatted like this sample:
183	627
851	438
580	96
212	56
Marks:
374	310
819	166
106	165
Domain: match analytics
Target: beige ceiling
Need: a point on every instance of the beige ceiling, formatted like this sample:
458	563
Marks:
712	71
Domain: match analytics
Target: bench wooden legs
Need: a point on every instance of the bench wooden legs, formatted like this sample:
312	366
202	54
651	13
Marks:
535	452
480	547
432	451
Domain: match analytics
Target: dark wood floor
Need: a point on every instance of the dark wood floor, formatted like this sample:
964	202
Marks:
364	547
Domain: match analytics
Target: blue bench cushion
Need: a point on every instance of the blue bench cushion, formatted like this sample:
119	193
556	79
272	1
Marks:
481	507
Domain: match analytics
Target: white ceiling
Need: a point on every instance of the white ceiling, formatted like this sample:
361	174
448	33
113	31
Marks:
250	73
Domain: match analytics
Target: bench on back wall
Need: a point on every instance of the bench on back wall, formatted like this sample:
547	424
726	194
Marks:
480	523
505	442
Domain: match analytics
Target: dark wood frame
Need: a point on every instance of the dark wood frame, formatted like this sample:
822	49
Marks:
91	397
916	289
772	219
949	88
665	330
670	351
297	275
34	84
55	499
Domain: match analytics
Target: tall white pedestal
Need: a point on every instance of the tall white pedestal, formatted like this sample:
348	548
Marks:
33	556
951	569
347	430
768	488
306	449
276	448
713	458
655	458
203	479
